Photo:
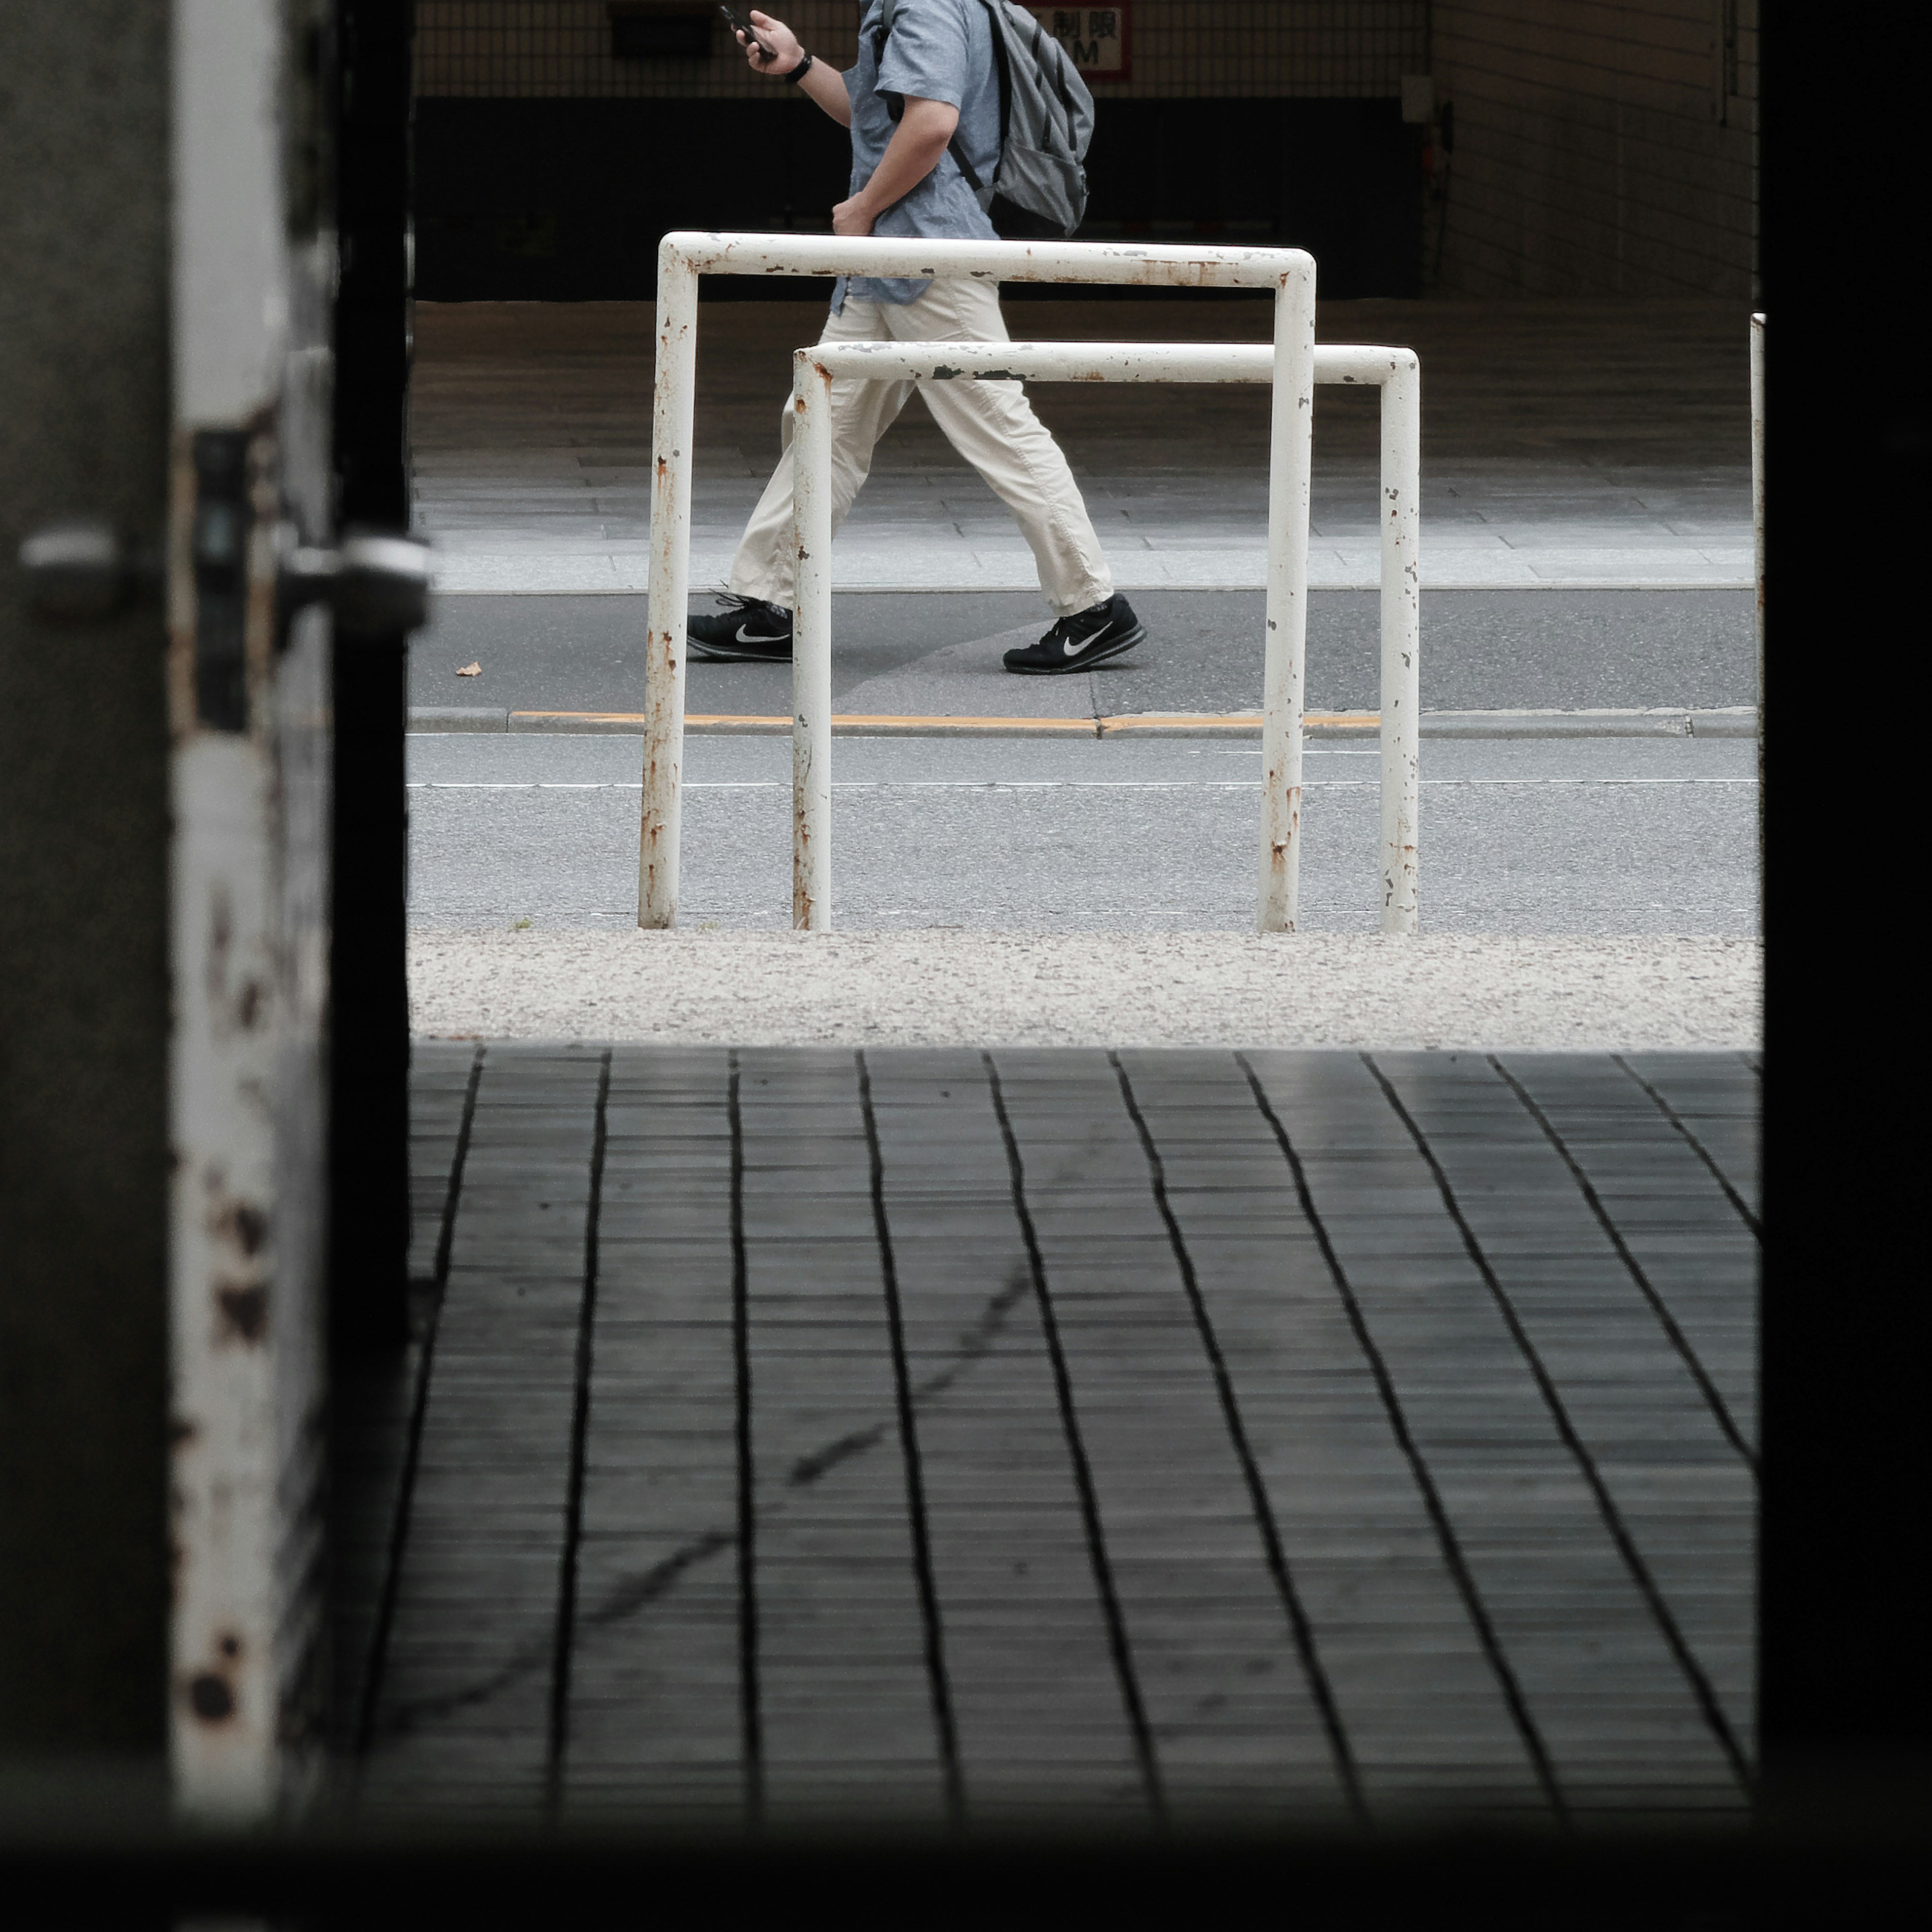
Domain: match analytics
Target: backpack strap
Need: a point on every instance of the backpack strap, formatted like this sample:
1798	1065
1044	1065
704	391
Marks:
1005	72
881	34
888	12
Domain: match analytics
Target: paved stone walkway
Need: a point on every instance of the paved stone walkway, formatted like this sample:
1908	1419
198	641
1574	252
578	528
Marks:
934	1434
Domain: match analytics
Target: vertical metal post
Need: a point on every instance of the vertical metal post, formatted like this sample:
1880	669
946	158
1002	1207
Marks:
671	428
1285	663
811	646
1402	639
1757	511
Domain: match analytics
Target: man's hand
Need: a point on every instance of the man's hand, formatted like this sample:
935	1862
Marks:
855	216
786	52
824	85
919	140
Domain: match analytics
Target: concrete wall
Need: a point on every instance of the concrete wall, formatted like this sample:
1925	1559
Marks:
84	855
1600	148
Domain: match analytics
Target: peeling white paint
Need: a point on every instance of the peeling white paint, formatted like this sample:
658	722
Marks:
248	877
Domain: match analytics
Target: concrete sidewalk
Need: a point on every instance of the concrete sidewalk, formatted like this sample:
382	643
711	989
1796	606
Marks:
532	433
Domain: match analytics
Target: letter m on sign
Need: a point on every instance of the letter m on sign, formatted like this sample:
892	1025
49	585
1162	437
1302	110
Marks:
1098	39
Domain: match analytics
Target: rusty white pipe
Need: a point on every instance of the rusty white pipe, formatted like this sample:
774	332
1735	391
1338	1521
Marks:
811	645
673	406
1048	361
1401	639
1119	263
1757	508
1284	662
1396	372
682	256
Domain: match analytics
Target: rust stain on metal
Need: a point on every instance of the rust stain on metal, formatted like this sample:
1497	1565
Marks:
243	1312
244	1224
220	937
210	1692
210	1697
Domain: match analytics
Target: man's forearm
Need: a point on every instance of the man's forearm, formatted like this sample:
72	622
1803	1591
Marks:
826	85
912	153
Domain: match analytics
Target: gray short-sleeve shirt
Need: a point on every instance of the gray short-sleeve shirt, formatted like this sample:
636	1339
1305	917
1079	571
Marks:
937	50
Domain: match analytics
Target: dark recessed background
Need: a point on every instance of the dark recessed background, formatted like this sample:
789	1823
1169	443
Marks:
565	200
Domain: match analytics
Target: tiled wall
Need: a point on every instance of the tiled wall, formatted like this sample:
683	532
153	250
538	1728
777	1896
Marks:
1265	48
1600	149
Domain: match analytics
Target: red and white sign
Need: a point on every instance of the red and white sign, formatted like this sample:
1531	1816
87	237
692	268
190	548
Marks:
1100	39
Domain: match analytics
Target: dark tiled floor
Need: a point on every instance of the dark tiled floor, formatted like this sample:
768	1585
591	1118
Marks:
932	1432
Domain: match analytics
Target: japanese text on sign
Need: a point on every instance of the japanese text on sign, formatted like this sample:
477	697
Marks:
1098	38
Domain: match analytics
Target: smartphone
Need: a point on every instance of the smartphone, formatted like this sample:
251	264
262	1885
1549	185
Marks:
745	27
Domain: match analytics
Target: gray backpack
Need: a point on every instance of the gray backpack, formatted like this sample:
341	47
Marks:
1039	187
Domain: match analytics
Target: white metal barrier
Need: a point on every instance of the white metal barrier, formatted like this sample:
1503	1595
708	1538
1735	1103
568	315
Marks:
1757	511
683	256
1397	373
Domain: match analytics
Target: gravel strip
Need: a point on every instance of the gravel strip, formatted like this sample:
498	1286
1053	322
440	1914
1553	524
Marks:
1087	989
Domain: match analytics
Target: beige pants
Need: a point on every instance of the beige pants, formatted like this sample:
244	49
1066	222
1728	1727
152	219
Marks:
992	425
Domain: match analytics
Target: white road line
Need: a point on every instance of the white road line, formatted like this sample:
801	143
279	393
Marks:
1032	784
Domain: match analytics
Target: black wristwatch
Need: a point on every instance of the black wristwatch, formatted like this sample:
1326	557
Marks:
800	72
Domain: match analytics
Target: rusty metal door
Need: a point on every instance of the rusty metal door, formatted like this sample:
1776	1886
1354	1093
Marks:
248	689
263	599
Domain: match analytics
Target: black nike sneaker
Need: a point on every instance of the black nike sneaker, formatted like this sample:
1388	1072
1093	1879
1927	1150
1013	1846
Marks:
1083	639
747	631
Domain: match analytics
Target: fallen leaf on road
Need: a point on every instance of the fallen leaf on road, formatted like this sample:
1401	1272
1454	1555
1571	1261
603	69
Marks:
470	670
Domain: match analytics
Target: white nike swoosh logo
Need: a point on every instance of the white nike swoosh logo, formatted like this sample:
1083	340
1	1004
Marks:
745	637
1071	645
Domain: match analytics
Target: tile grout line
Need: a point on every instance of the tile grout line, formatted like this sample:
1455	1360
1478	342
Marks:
579	1435
376	1667
750	1727
937	1681
1083	1473
1698	1148
1700	1684
1701	1375
1273	1553
1452	1555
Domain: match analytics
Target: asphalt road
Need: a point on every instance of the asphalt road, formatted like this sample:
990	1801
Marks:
1482	650
1590	837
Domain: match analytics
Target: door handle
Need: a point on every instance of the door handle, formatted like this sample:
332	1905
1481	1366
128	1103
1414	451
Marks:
82	569
376	586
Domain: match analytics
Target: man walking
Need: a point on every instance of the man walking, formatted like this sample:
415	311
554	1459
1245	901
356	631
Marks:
910	93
